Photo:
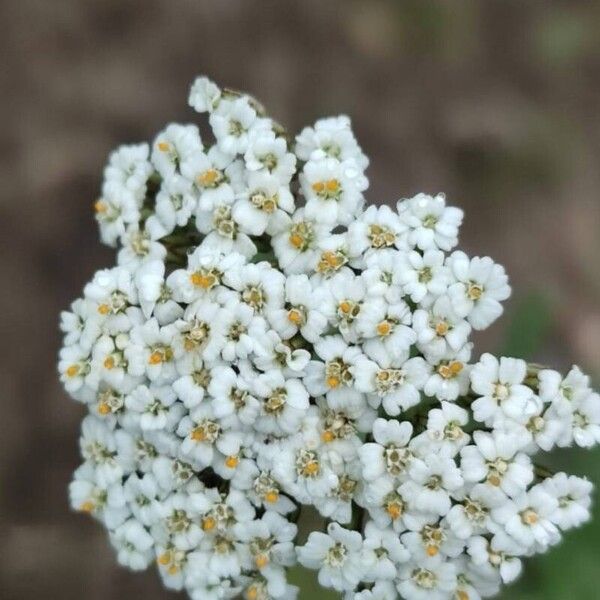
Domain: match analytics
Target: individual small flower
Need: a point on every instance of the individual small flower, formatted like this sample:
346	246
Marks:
336	555
268	153
376	229
283	403
431	481
498	556
495	459
527	518
386	327
586	420
500	385
388	455
154	408
333	375
204	95
303	311
481	285
450	375
393	382
423	275
573	495
333	190
431	223
173	146
439	330
383	552
255	208
446	428
134	545
431	579
232	123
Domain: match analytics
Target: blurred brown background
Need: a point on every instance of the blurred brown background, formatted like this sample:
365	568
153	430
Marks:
496	103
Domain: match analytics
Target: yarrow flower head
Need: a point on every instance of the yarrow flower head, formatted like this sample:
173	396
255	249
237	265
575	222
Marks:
265	344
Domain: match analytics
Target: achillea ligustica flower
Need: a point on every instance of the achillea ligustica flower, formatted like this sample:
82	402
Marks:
265	343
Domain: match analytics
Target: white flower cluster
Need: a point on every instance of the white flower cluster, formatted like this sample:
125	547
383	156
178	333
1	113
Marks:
266	344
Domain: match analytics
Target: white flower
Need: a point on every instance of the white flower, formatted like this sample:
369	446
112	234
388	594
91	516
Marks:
173	146
143	497
232	400
430	579
302	467
270	542
527	518
154	408
496	556
377	228
392	382
495	459
128	167
388	455
335	375
386	327
333	190
481	285
296	241
586	420
231	122
303	312
259	286
573	495
331	137
175	204
422	274
472	515
500	385
284	403
431	223
204	95
445	428
450	376
134	545
439	330
336	555
257	206
561	392
383	552
430	536
202	436
431	481
270	154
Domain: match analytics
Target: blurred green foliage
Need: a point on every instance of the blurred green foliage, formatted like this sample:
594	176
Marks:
569	571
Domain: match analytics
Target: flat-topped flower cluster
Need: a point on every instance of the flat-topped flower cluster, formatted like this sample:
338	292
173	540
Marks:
267	343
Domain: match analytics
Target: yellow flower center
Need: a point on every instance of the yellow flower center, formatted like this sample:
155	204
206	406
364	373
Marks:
450	370
72	371
272	496
103	408
103	309
100	207
208	524
231	462
384	328
333	382
261	561
311	468
164	146
87	507
394	510
203	281
328	436
442	328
